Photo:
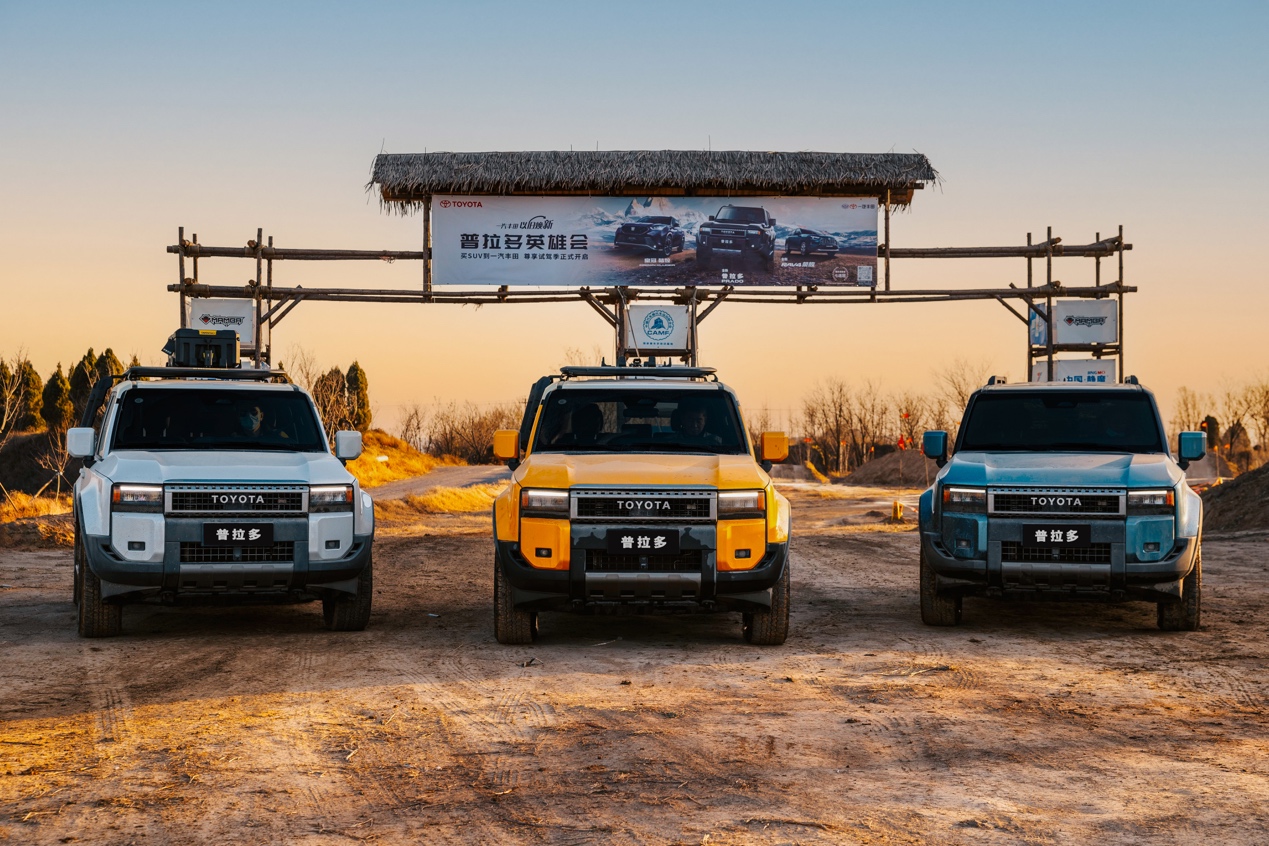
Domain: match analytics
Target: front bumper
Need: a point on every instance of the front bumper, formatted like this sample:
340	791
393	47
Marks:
576	588
296	576
646	242
1115	580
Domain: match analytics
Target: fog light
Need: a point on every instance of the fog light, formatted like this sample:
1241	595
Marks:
742	553
139	546
962	543
1152	547
542	552
332	544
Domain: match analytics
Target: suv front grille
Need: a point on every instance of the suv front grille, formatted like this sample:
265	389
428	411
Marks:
196	553
237	499
643	506
1097	553
1101	502
598	561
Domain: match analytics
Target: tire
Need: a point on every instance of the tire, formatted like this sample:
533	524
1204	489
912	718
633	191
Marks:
936	610
96	617
770	627
1186	615
806	249
345	613
511	626
667	248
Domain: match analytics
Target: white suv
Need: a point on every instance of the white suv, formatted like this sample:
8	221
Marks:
213	484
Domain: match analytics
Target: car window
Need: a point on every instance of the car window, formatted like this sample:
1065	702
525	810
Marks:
741	214
655	420
1089	421
217	419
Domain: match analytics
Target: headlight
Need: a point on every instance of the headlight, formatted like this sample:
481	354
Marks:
733	504
1152	502
136	498
537	502
330	498
964	499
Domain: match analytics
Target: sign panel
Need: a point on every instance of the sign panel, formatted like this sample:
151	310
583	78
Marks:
645	241
658	328
1079	322
238	315
1076	370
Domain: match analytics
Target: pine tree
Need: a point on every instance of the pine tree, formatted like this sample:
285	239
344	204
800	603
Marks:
109	364
81	382
32	397
135	362
56	407
358	398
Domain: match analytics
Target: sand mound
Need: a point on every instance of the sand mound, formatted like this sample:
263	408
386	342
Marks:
1238	505
905	468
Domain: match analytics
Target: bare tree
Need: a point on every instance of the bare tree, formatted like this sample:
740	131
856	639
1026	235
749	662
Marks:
758	423
12	397
413	427
826	414
467	430
54	459
917	413
958	379
871	423
1189	413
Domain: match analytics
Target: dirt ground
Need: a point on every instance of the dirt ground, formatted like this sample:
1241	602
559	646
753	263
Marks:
1030	723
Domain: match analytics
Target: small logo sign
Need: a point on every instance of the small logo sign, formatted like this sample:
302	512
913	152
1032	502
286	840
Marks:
841	274
658	325
221	319
1074	320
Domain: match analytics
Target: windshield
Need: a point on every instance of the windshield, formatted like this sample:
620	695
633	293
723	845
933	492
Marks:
740	214
655	219
654	420
1083	421
224	418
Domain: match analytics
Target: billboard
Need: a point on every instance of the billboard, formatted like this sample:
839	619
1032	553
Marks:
238	315
1078	322
658	328
1099	370
647	241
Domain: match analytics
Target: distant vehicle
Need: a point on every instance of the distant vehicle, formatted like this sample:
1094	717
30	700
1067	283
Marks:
637	490
1062	491
208	482
738	231
808	241
658	233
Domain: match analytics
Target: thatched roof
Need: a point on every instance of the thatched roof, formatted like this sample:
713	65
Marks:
405	179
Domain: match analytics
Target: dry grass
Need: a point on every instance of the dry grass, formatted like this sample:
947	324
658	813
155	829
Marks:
18	505
404	461
456	500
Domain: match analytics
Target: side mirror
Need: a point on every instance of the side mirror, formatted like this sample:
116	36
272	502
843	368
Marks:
347	445
506	447
772	220
80	442
773	447
934	446
1191	446
711	217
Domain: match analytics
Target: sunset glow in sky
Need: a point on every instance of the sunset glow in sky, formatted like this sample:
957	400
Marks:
119	123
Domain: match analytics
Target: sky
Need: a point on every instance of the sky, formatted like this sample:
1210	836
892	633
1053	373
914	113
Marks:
121	122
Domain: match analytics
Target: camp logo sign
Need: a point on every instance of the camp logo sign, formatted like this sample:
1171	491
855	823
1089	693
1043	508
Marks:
663	328
647	241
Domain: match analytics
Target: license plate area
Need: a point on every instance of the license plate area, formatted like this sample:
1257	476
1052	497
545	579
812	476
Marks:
635	541
1057	535
237	534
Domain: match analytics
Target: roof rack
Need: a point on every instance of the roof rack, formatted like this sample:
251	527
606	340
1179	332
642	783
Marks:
674	371
132	374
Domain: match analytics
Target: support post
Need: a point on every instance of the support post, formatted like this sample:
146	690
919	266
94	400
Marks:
887	240
180	240
427	247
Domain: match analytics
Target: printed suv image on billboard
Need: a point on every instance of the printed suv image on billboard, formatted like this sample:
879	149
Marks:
738	232
645	241
656	233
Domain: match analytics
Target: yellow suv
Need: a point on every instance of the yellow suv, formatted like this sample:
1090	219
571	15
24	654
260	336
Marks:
637	489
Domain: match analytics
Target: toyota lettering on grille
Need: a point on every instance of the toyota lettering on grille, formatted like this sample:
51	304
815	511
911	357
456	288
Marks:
1057	501
237	499
643	505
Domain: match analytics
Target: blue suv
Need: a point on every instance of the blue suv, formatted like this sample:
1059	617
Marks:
1062	491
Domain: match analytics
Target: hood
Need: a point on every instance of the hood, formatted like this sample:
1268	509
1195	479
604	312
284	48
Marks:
554	470
227	466
1062	469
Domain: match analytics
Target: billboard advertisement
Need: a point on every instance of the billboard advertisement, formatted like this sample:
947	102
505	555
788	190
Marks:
1076	370
238	315
658	328
1078	322
646	241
